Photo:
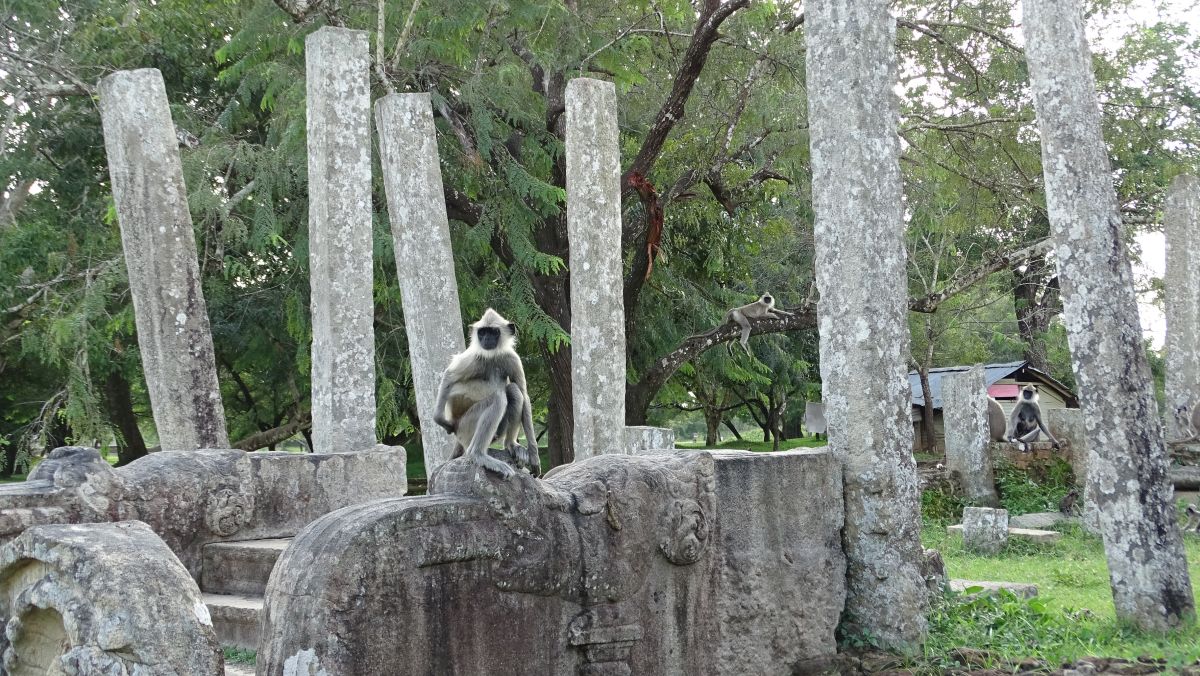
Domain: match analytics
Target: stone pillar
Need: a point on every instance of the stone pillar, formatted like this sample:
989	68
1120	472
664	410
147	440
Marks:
968	460
642	439
594	231
1066	424
1127	463
412	179
985	530
860	264
1181	221
339	240
160	254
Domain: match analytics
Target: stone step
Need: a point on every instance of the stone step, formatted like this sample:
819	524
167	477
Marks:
240	568
1028	534
235	619
1022	590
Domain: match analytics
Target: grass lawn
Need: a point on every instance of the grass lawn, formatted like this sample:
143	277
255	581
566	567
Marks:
1071	618
758	446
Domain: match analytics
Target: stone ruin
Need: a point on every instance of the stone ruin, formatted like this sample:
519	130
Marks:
672	563
637	559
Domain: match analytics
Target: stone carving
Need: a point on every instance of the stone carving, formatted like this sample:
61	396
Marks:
101	600
228	511
615	565
192	498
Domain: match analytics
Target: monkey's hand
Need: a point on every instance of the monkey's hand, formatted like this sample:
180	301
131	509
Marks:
450	427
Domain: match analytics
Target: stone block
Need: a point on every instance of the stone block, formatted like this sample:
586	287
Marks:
235	619
102	600
1022	590
671	563
193	498
985	530
241	567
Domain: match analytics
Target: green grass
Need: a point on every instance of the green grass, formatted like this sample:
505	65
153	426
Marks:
239	656
1071	618
758	446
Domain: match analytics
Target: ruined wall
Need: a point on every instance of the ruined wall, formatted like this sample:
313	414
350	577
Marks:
673	563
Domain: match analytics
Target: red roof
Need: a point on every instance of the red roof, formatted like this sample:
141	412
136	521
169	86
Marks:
1004	391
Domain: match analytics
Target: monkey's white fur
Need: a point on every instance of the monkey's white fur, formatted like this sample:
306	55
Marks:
483	395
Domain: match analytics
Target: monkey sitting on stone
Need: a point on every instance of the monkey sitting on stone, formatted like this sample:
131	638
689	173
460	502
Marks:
1190	424
483	396
1026	421
763	308
1067	504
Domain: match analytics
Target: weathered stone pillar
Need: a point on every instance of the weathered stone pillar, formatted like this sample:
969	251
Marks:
1181	221
968	460
594	230
412	179
860	262
1127	463
160	254
339	240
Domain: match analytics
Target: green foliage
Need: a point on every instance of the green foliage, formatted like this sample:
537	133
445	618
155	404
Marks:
1072	616
239	656
1025	491
939	508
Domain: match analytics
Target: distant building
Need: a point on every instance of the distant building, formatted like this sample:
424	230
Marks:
1003	382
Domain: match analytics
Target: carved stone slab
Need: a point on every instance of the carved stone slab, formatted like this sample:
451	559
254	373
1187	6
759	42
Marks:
672	563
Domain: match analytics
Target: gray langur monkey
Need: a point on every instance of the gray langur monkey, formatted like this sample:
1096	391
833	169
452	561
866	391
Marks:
997	422
1190	424
763	308
1026	422
483	396
1193	519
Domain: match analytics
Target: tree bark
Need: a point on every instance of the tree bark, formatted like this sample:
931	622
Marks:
861	273
734	430
119	401
1127	464
928	435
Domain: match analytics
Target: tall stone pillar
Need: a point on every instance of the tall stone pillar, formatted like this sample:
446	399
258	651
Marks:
160	254
1181	221
594	231
412	179
339	240
968	460
860	265
1127	463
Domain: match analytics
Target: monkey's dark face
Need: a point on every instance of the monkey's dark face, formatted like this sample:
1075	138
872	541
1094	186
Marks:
494	332
767	299
488	337
1029	393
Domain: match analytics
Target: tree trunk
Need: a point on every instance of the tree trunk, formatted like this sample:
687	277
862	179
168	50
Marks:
928	433
733	430
119	401
712	427
864	335
1127	468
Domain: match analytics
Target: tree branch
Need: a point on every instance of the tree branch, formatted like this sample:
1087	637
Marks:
929	303
277	434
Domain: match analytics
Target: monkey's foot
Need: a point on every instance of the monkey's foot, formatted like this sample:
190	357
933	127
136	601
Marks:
498	466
